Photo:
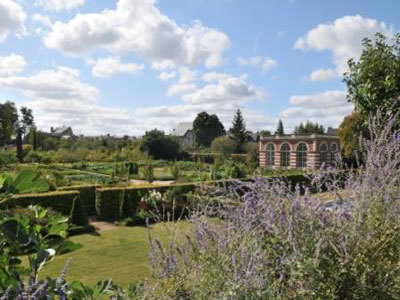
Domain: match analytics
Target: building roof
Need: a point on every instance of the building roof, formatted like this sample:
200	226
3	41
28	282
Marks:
182	128
60	131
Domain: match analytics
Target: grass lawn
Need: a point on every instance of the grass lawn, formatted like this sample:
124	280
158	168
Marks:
120	254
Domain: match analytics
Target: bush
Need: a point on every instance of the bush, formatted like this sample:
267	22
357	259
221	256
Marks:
6	158
67	203
156	144
108	202
224	146
147	171
87	195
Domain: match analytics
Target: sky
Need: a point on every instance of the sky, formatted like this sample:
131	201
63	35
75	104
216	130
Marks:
127	66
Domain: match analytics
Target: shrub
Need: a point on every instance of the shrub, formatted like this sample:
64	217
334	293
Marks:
223	146
275	243
175	171
61	202
87	195
6	158
147	171
108	202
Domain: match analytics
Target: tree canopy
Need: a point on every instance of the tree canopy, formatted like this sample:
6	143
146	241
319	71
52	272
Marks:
373	82
309	128
160	146
206	128
280	130
238	130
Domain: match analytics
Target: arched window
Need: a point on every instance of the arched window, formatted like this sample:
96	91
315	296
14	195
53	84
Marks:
285	155
270	151
323	153
334	150
302	155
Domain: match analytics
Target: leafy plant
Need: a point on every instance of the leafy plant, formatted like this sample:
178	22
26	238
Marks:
27	181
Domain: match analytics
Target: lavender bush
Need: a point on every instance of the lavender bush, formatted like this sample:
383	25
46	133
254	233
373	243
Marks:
279	243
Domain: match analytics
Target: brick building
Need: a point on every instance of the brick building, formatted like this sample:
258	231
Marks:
298	151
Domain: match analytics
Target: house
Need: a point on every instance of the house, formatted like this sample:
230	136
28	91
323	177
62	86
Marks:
298	151
61	132
184	132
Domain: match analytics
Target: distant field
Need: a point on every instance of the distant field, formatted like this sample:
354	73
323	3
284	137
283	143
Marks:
120	254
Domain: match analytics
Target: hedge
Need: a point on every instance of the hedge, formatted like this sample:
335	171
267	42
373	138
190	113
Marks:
67	203
87	195
120	202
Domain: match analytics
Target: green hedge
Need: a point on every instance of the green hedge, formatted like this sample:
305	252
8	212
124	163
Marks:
121	202
67	203
87	195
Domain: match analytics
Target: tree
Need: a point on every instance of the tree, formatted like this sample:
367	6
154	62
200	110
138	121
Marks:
8	118
264	133
159	146
373	82
279	129
25	121
352	127
309	128
224	146
238	130
206	128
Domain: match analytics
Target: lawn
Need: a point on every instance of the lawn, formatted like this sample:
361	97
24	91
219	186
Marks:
120	254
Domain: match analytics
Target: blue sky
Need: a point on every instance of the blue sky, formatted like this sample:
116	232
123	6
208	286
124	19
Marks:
127	66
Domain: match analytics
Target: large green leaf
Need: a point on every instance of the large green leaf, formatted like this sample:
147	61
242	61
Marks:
14	232
28	181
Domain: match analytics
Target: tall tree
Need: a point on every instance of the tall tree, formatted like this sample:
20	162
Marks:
25	121
309	128
238	130
280	130
206	128
8	118
373	82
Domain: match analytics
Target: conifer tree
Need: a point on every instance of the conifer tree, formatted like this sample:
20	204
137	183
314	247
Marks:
238	130
279	129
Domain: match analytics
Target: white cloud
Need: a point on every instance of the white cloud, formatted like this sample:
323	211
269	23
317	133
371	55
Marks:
227	89
181	89
164	76
12	19
58	97
44	20
59	5
266	63
107	67
138	26
343	38
323	75
215	76
327	108
11	64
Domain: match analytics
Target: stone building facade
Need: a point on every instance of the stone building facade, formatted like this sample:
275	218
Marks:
298	151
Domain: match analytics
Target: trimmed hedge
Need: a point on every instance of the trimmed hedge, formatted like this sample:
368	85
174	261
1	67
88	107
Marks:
67	203
87	195
120	202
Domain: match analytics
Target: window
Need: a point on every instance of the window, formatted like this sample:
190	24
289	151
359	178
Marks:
270	150
285	155
323	153
334	150
302	155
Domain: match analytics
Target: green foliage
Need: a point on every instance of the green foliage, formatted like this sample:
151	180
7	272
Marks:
8	119
238	131
309	128
223	146
253	156
27	181
263	133
156	144
176	171
87	196
373	81
61	202
7	158
38	233
147	171
206	128
280	130
235	170
351	129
